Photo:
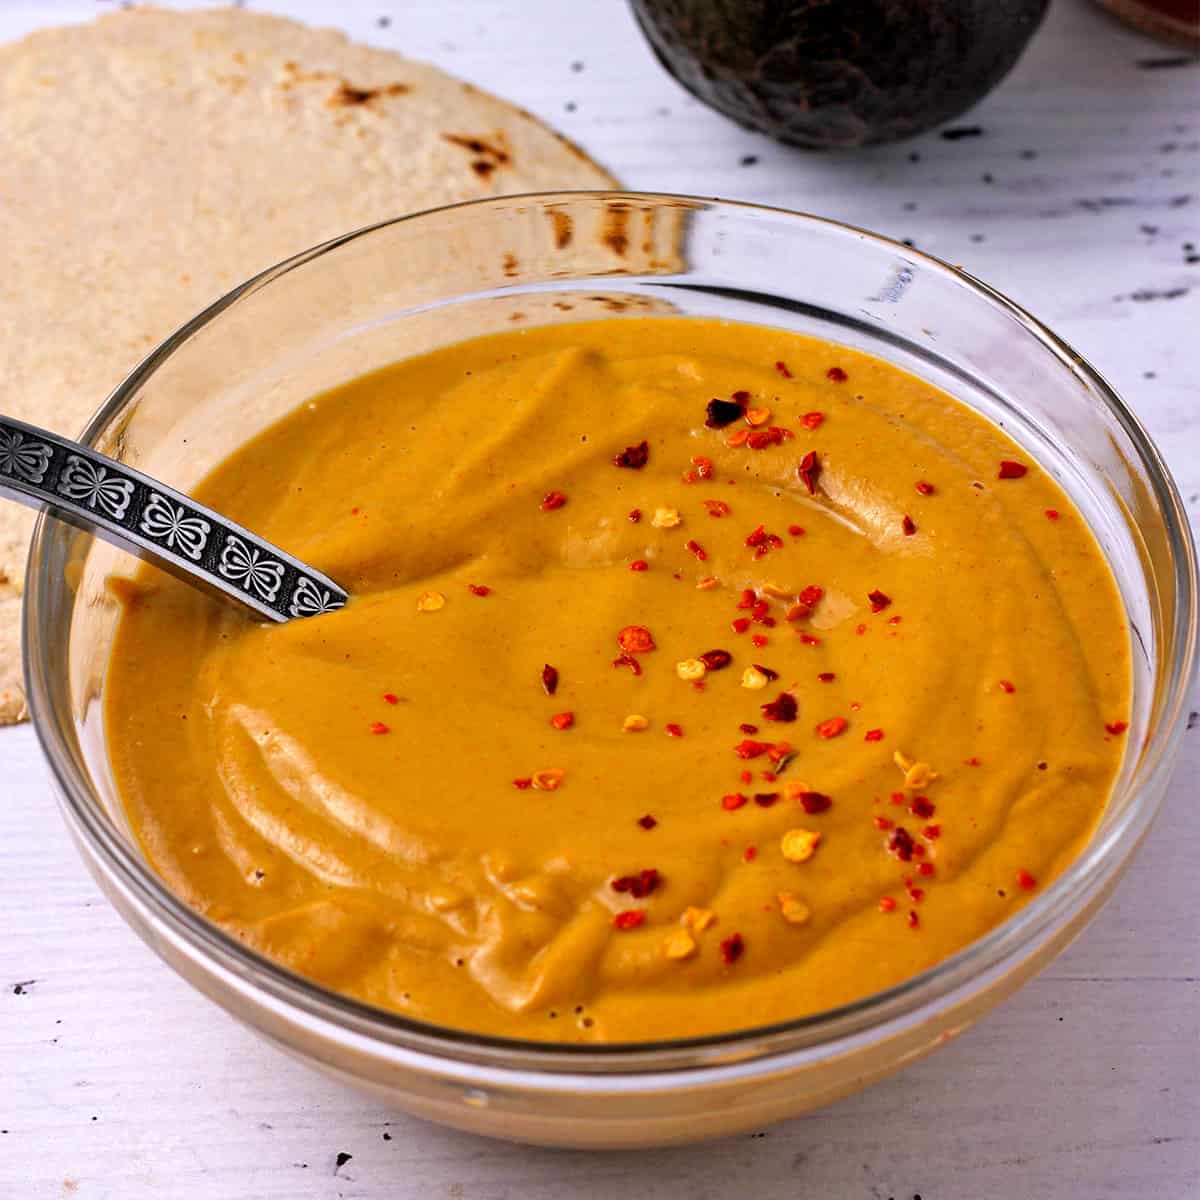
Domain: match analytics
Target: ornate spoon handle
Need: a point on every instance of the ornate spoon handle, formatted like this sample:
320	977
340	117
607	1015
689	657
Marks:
153	521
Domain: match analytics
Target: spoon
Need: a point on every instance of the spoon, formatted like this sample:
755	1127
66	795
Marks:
155	522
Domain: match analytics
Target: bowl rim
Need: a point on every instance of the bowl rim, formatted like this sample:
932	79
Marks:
1100	861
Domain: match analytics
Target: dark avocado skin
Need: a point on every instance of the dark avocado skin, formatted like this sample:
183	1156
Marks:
828	74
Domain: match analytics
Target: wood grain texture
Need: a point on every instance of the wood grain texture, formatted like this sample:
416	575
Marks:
1080	198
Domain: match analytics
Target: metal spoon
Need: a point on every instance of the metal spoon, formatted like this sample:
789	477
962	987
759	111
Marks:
153	521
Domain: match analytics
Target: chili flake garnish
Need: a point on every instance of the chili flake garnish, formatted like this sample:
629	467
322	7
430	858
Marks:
634	457
378	727
391	698
549	779
749	749
931	833
737	438
627	660
479	589
1026	881
1008	686
639	886
782	368
523	784
733	801
673	730
760	439
563	720
707	583
832	728
635	515
553	500
639	564
1052	514
635	639
913	920
812	420
873	735
1011	470
908	525
826	676
925	488
765	799
732	948
884	823
740	624
887	904
799	845
901	844
926	869
807	639
749	854
809	470
766	671
716	660
1116	727
759	641
647	822
716	508
879	600
923	807
720	413
814	802
782	708
796	530
549	679
746	727
697	549
837	375
631	918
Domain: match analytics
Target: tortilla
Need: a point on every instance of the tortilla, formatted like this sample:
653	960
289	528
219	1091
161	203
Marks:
152	160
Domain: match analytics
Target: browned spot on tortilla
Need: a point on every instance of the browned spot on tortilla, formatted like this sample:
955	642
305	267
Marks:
517	316
239	58
615	232
482	167
563	306
611	303
496	151
348	95
511	265
563	228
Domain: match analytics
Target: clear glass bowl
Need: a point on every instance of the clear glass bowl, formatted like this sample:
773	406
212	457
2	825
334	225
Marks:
398	288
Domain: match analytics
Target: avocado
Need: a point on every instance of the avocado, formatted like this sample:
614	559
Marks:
827	74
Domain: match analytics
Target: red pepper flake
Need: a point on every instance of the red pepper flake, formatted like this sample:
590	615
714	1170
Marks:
873	735
760	609
782	708
733	801
716	508
972	762
1116	727
829	677
896	798
639	886
647	822
837	375
749	854
771	675
737	438
745	727
697	549
796	530
894	620
479	589
378	727
832	728
740	624
716	660
901	844
765	799
879	600
391	698
908	525
748	598
745	776
631	918
759	640
918	850
639	564
814	802
778	752
1008	686
925	488
813	420
1052	514
741	397
634	457
627	660
884	823
635	639
749	749
1011	470
887	904
926	869
782	368
913	919
553	500
768	776
673	730
922	807
809	471
550	679
635	515
523	785
1026	881
563	720
807	639
931	833
732	948
719	413
704	466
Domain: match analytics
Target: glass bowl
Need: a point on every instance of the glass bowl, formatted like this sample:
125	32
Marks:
408	285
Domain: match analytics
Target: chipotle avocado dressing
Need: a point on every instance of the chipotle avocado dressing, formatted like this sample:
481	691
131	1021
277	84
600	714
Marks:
698	675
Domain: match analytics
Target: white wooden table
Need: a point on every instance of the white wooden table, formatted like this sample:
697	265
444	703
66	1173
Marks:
1081	199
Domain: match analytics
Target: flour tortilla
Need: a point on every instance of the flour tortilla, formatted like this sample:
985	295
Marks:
152	160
